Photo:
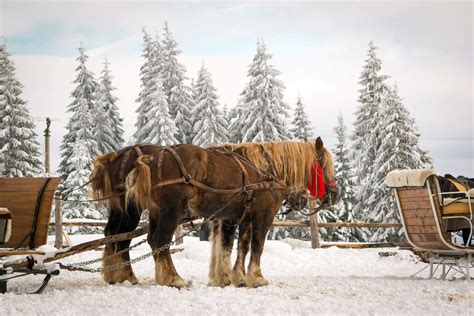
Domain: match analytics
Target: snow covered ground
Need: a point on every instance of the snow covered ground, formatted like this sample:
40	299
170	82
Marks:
303	281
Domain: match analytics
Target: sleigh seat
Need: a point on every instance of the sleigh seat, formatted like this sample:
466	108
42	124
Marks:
423	210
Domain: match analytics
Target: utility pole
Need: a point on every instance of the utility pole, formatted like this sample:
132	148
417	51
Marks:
47	137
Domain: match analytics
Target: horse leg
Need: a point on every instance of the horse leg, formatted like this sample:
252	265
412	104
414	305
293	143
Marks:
261	223
163	223
214	228
222	249
228	229
245	234
119	222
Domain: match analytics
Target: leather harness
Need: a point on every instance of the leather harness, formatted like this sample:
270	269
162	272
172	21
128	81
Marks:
271	182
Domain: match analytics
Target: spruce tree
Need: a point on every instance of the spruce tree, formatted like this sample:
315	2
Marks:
209	122
302	128
345	179
149	70
19	149
236	123
366	140
179	96
75	205
160	128
109	131
261	112
399	149
80	128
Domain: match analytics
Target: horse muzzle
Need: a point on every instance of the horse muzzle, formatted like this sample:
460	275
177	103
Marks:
333	194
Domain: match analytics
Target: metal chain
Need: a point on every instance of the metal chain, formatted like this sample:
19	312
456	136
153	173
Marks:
123	264
89	262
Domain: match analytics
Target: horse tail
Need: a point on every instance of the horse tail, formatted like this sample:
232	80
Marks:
100	184
138	183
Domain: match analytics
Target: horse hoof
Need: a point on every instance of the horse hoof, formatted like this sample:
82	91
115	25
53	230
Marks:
239	282
179	284
133	280
259	282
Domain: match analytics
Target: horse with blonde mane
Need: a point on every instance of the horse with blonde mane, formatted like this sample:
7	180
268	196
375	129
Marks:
234	185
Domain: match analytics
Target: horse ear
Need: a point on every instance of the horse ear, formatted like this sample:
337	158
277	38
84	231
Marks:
319	144
105	159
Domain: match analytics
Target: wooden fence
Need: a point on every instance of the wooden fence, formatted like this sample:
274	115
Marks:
312	223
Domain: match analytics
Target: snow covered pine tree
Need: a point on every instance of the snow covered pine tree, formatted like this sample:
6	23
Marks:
19	149
261	112
180	100
210	127
79	140
154	122
302	127
365	140
108	130
345	179
399	149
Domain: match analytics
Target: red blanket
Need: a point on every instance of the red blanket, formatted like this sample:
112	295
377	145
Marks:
319	182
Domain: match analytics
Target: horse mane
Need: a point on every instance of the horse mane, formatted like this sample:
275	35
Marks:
292	160
100	183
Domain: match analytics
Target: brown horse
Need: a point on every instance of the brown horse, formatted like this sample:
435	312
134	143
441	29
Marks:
108	183
189	180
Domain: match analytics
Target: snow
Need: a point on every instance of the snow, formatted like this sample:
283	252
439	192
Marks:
302	281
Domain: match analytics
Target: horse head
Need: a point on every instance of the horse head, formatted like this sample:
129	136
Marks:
324	159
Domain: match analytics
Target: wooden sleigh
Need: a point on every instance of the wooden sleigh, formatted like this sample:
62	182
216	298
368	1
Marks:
424	210
25	211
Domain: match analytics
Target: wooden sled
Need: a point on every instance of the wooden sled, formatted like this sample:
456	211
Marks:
26	211
423	211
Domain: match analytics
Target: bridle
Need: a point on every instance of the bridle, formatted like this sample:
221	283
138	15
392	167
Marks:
330	187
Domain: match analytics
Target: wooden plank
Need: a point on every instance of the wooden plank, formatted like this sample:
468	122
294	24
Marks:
20	252
419	213
290	223
426	237
420	221
24	184
66	252
364	245
432	245
415	199
411	205
412	192
360	224
422	229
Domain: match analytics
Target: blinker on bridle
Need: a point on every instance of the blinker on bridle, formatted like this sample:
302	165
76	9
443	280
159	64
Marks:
330	188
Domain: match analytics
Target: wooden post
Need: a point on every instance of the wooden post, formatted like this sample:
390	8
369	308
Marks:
47	136
177	234
313	222
58	221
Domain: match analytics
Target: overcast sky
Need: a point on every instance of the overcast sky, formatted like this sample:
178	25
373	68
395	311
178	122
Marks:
320	48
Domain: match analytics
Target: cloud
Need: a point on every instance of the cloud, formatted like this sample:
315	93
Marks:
319	48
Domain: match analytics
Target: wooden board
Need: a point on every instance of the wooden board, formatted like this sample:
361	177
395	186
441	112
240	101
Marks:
19	195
